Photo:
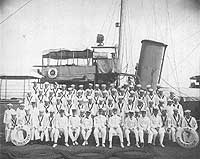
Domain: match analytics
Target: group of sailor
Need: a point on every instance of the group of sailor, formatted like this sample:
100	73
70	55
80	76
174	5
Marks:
101	111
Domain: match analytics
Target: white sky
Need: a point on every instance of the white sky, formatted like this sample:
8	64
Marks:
74	24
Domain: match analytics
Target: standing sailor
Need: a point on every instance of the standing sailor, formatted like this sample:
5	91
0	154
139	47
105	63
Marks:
6	120
178	105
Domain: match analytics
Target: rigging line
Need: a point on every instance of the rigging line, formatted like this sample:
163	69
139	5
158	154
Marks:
17	10
189	54
191	36
107	17
170	30
111	22
176	89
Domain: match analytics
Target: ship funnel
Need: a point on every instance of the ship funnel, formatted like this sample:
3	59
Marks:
150	63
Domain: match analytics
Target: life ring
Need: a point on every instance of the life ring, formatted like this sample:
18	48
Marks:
52	73
20	135
187	137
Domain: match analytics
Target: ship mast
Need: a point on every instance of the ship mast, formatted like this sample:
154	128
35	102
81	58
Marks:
121	21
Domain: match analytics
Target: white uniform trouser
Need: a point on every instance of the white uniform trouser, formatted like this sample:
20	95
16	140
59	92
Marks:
115	131
49	134
101	131
141	135
173	133
7	133
161	133
35	134
76	134
86	133
61	131
127	134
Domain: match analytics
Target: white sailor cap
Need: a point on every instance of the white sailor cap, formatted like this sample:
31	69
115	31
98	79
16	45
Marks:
90	84
163	109
131	86
140	101
79	91
130	99
169	100
51	109
112	84
27	108
175	109
89	97
141	91
143	110
131	112
105	92
101	99
155	108
110	99
41	110
82	110
187	111
150	89
151	102
96	85
139	85
70	89
176	98
103	85
161	101
10	104
72	85
96	92
80	86
148	86
132	92
46	83
22	105
120	97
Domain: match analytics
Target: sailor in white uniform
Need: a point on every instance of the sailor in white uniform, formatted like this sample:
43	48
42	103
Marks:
156	124
131	126
21	113
74	126
28	99
144	124
46	89
7	120
176	123
177	105
100	122
189	121
115	123
86	127
62	127
50	125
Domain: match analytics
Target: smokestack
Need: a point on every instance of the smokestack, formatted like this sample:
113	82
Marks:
150	62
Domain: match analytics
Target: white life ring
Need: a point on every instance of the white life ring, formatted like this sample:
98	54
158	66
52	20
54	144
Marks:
52	73
187	137
20	135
